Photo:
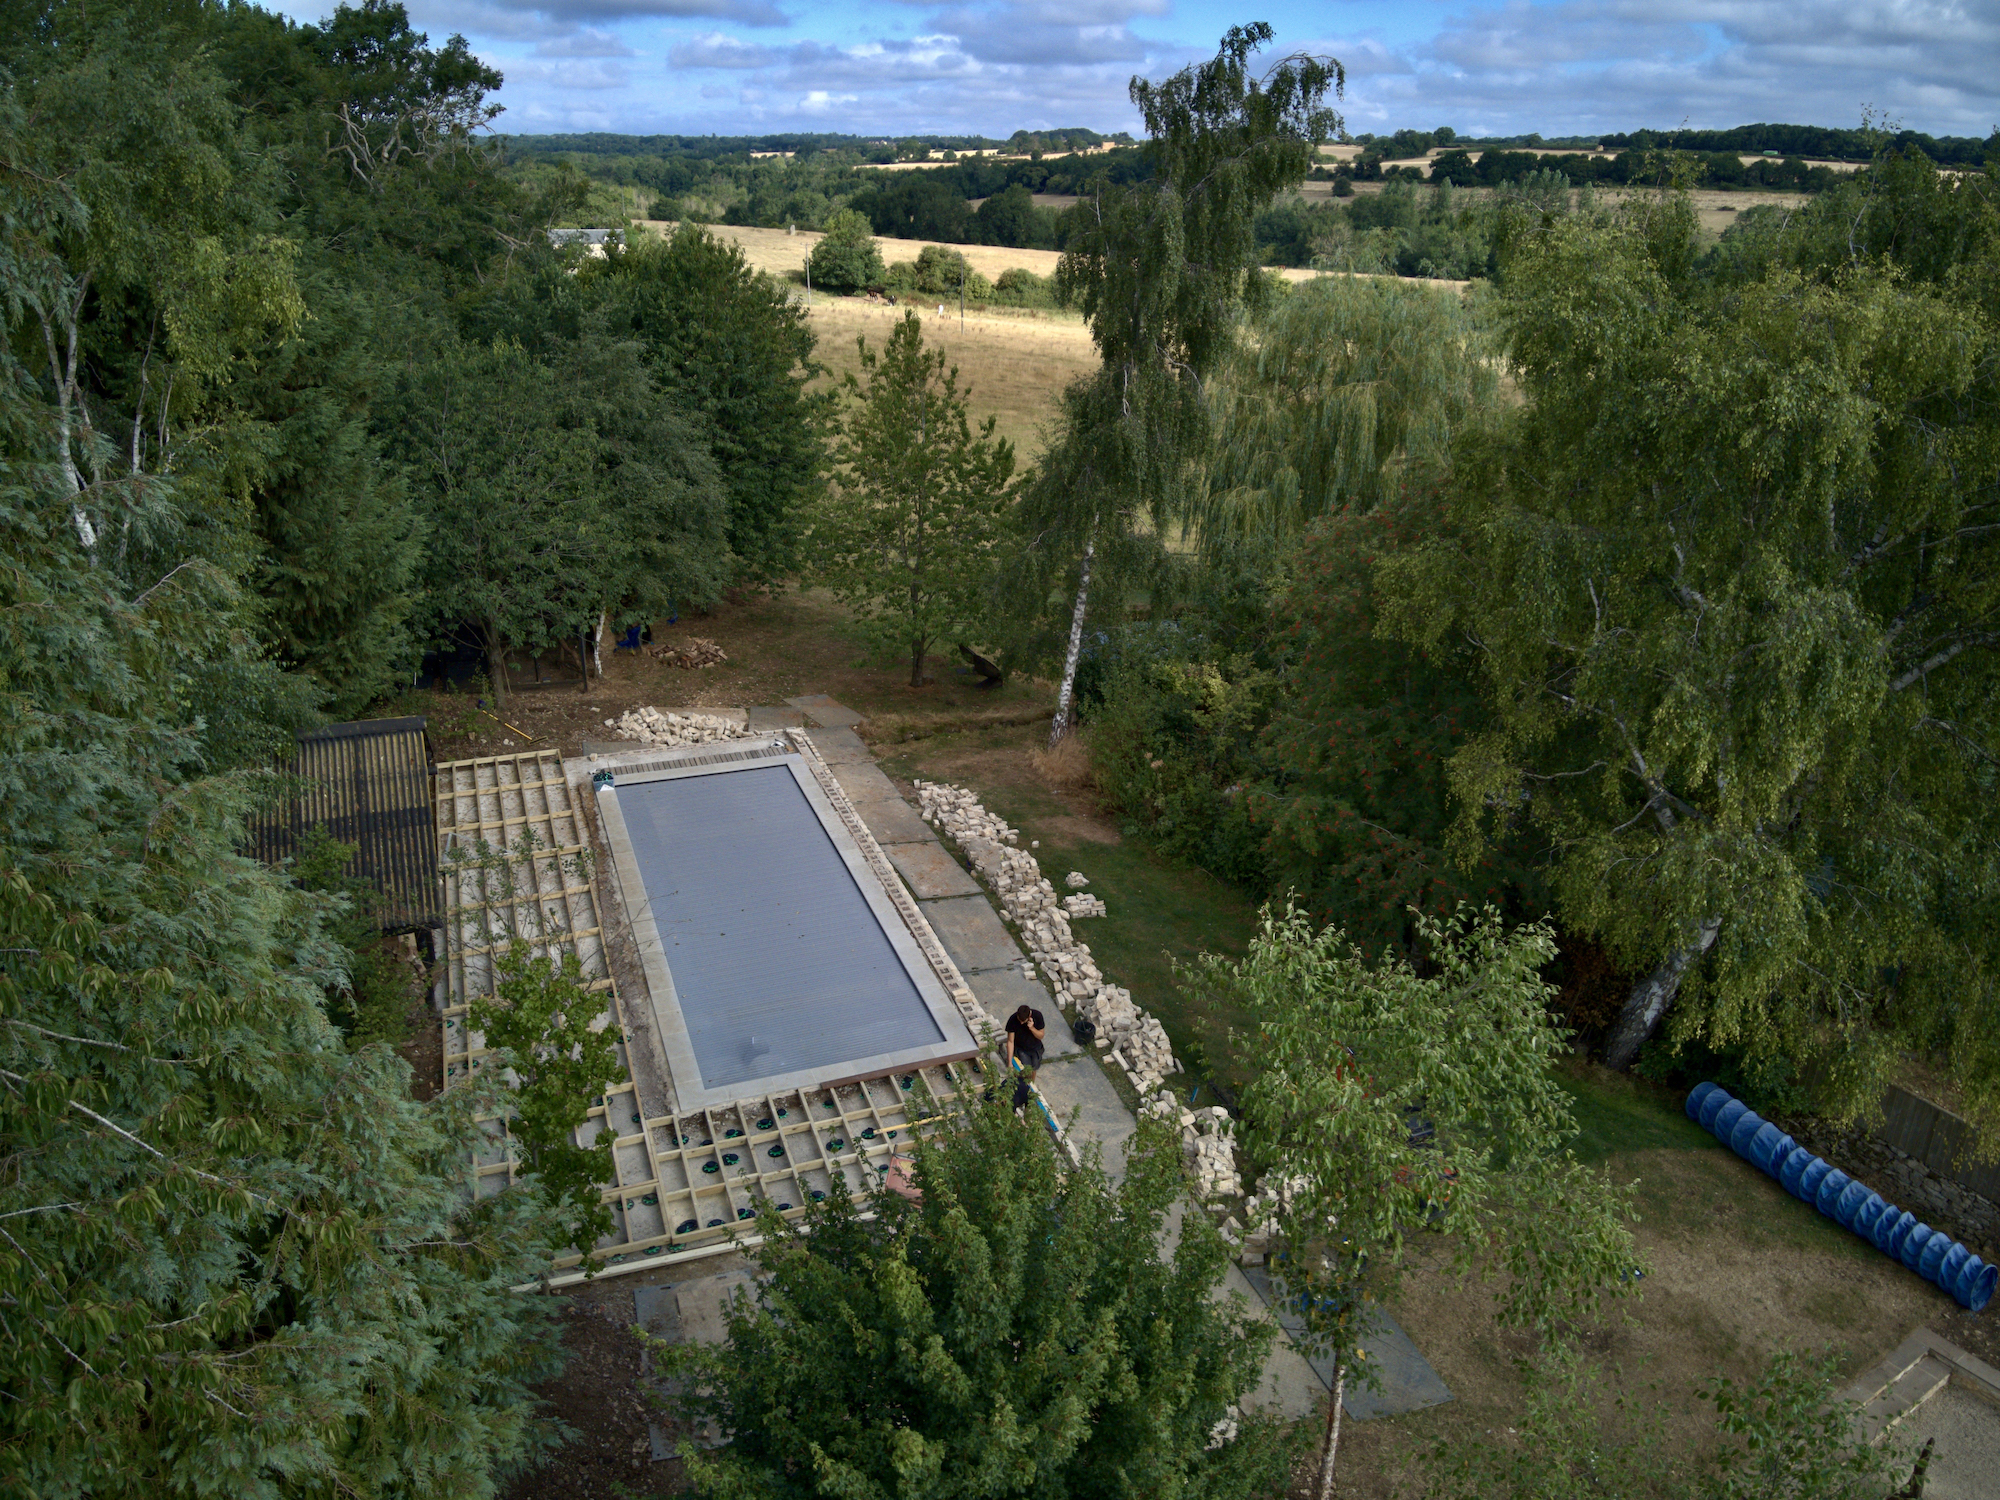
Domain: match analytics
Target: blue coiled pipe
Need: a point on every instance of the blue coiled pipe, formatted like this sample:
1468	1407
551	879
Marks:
1896	1233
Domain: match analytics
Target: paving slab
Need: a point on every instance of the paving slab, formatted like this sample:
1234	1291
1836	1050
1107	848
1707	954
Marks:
1407	1379
774	718
929	871
824	713
841	747
1077	1085
864	782
1004	991
972	934
686	1312
894	823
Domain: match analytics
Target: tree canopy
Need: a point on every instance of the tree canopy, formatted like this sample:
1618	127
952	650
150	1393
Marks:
1729	575
1017	1330
907	538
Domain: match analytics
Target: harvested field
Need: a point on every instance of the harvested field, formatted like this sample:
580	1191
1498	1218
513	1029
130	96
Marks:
1015	363
1015	360
784	255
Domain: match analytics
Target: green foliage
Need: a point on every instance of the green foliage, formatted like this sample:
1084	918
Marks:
1160	268
730	347
550	1030
370	1002
942	272
557	489
1019	287
1171	744
522	535
1782	1436
1010	217
845	259
1017	1332
238	1258
1355	1056
1346	387
906	538
1355	800
1729	578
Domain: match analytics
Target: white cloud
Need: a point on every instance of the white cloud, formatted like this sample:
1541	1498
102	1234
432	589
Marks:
1582	66
579	74
588	42
716	49
820	102
742	12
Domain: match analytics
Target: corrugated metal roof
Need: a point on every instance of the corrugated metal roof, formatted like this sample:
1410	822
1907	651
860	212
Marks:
369	784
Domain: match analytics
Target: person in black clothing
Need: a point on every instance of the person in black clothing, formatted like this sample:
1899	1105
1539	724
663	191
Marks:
1025	1029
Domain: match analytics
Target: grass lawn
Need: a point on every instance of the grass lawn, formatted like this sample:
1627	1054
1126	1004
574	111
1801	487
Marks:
1158	912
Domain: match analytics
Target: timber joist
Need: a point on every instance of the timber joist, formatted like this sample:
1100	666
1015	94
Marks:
687	1182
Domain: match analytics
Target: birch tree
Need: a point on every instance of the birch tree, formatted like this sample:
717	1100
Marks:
1731	577
1161	269
1393	1105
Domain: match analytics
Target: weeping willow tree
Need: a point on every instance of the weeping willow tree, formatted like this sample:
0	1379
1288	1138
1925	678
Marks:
1160	269
1346	384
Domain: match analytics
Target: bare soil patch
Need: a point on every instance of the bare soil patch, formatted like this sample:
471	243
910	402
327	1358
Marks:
780	645
601	1399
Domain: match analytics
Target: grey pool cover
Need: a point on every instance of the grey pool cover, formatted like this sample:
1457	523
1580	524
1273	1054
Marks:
777	961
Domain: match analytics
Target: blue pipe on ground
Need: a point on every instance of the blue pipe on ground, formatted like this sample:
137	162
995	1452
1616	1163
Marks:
1932	1255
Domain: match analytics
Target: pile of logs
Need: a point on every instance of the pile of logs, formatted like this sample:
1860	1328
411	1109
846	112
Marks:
695	651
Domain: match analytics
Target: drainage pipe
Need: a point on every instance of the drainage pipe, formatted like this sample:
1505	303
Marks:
1933	1255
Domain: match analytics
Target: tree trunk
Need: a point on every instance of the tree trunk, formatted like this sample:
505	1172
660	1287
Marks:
1650	998
1330	1448
597	642
916	664
1068	690
496	663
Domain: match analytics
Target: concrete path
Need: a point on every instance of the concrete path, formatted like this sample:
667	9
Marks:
1407	1381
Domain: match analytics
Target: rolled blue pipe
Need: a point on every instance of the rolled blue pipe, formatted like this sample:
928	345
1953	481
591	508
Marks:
1895	1232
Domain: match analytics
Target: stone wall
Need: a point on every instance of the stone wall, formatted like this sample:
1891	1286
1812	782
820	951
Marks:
1942	1199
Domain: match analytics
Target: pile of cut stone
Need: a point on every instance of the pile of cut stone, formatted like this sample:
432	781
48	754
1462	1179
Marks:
652	727
1261	1209
1145	1053
1083	906
1208	1145
1208	1149
1030	902
695	651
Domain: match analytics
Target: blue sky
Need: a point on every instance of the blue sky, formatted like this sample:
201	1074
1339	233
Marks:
993	66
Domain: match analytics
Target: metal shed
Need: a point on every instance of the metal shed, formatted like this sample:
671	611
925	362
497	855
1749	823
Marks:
369	784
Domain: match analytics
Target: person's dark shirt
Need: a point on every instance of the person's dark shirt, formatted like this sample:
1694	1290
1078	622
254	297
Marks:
1022	1036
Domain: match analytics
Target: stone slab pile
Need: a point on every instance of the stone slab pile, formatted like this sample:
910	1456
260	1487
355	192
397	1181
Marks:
1208	1145
1132	1039
654	726
1083	906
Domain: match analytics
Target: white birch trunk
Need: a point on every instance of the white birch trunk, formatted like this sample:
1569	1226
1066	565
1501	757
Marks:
1068	690
597	642
1330	1449
62	373
1650	998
